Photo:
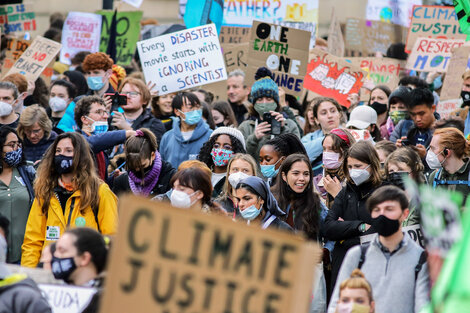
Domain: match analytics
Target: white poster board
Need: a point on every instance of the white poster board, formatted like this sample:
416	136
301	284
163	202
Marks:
391	11
67	299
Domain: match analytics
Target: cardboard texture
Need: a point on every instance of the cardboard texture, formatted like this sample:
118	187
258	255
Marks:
433	21
364	38
18	18
127	30
453	81
335	37
36	58
166	259
331	76
432	55
234	35
281	49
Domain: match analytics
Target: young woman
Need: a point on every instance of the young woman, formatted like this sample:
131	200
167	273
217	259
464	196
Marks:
355	294
275	151
384	148
192	188
239	167
62	93
256	203
16	190
348	218
69	193
379	102
147	174
325	114
335	150
397	110
365	118
223	114
223	143
161	109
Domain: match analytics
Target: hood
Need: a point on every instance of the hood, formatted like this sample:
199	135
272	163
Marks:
201	129
262	188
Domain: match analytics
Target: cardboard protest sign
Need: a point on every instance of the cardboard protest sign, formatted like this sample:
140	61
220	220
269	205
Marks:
127	33
65	298
166	259
331	76
431	54
365	38
36	58
434	22
281	49
414	231
310	27
234	35
381	71
446	107
452	85
243	13
81	32
183	60
335	37
17	18
134	3
391	11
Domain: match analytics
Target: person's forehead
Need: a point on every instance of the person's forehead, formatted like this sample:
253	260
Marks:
6	92
236	79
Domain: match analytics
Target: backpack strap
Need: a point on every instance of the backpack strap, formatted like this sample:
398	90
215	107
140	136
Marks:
422	260
362	258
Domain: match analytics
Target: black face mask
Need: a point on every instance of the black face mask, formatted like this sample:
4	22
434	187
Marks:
396	178
221	124
63	164
385	226
62	268
466	98
147	170
379	107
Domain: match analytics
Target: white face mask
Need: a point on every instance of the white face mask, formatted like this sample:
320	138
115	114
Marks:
181	199
433	160
57	104
359	176
5	108
237	177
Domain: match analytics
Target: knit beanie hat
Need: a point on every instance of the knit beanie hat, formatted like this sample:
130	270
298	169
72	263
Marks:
229	131
265	87
401	93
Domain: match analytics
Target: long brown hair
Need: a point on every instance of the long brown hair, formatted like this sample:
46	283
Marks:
84	172
365	152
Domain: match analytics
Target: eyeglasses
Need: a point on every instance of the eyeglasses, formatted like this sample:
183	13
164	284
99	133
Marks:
131	94
30	132
14	145
101	112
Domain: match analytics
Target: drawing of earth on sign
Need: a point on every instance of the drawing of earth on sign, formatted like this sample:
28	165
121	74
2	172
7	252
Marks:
386	15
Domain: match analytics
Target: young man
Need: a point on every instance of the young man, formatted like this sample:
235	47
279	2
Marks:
98	69
393	263
237	94
189	133
8	103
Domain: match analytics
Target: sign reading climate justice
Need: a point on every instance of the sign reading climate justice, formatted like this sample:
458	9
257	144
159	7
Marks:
183	60
166	259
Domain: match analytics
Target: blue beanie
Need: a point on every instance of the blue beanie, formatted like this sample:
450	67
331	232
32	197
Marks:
264	87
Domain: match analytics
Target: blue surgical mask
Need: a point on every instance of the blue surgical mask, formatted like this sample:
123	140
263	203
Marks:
269	171
250	213
98	127
192	117
13	158
95	82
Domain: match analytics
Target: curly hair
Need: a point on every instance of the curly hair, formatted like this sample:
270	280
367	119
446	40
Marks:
83	108
205	152
97	61
4	132
286	144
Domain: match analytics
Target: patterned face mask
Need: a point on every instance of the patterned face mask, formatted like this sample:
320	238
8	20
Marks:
221	156
397	116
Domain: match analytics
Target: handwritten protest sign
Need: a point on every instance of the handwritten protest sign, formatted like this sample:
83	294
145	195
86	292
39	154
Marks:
335	37
414	231
431	54
81	32
381	71
17	18
453	80
281	49
127	33
234	35
365	38
434	22
66	299
243	13
183	60
36	58
446	107
166	259
391	11
310	27
331	76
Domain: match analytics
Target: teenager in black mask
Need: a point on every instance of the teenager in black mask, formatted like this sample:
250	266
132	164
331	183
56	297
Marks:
379	102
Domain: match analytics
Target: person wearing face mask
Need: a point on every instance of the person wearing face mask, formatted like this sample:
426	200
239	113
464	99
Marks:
275	151
239	167
16	190
355	295
189	132
98	68
68	194
448	156
265	97
397	110
8	102
62	94
365	118
462	112
223	115
257	204
393	263
192	189
379	97
147	174
348	218
35	129
216	153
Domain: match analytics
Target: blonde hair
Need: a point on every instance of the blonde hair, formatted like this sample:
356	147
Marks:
227	190
453	139
357	280
140	85
31	115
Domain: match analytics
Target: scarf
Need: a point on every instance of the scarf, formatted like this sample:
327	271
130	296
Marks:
145	185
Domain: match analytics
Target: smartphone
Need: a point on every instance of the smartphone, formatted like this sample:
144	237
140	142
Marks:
405	142
267	117
117	100
275	124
